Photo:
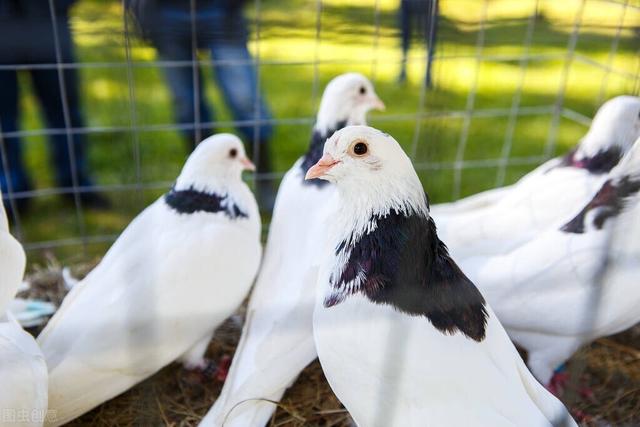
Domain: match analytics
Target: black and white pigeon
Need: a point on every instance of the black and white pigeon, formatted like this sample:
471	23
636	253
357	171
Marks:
174	275
501	219
23	372
277	339
575	282
403	336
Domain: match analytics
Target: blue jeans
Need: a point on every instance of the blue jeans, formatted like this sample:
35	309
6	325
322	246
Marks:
32	43
220	28
237	81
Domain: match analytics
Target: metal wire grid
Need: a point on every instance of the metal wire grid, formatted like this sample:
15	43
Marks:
556	111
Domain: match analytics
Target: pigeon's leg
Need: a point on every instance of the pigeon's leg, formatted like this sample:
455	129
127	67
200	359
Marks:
194	358
558	381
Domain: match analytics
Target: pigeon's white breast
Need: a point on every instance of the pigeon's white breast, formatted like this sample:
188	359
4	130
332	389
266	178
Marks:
392	369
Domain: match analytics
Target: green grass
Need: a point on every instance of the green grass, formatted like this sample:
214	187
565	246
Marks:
287	31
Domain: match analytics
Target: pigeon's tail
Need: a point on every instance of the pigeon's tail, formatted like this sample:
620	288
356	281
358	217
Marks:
68	279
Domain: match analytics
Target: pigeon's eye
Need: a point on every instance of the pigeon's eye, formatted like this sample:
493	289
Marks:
360	149
233	153
363	90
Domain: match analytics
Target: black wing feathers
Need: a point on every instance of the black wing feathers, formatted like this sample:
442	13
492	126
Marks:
609	200
405	265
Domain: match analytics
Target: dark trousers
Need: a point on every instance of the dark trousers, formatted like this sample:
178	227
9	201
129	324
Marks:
29	42
236	77
422	14
220	30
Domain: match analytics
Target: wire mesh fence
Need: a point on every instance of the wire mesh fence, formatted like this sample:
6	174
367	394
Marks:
500	65
486	91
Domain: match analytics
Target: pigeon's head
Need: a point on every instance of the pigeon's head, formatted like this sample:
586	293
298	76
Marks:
367	164
616	125
219	157
347	98
629	165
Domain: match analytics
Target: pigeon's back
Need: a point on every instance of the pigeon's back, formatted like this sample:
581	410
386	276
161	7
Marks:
531	207
23	389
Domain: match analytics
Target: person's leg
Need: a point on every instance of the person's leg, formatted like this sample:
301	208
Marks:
404	18
71	169
236	76
9	119
431	31
187	92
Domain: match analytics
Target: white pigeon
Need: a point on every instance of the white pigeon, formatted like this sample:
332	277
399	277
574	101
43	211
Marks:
174	275
575	282
404	338
512	216
277	340
23	373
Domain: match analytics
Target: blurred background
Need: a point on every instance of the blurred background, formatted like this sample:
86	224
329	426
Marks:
511	84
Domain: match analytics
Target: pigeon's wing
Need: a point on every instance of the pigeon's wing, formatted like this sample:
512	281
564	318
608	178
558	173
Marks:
277	338
93	295
477	202
530	208
618	294
23	388
485	199
12	265
545	285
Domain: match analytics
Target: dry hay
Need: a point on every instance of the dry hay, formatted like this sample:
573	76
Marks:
609	368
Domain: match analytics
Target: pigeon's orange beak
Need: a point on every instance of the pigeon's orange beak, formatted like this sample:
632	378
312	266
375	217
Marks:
247	164
320	168
378	104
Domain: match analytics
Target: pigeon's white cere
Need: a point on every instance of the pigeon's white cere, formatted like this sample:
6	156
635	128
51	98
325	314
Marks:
23	373
174	275
499	221
277	339
575	282
403	336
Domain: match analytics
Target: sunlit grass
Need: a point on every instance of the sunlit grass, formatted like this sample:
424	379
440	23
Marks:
289	47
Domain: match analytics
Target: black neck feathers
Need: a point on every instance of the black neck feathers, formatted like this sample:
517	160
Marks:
609	200
404	264
602	162
313	154
190	201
